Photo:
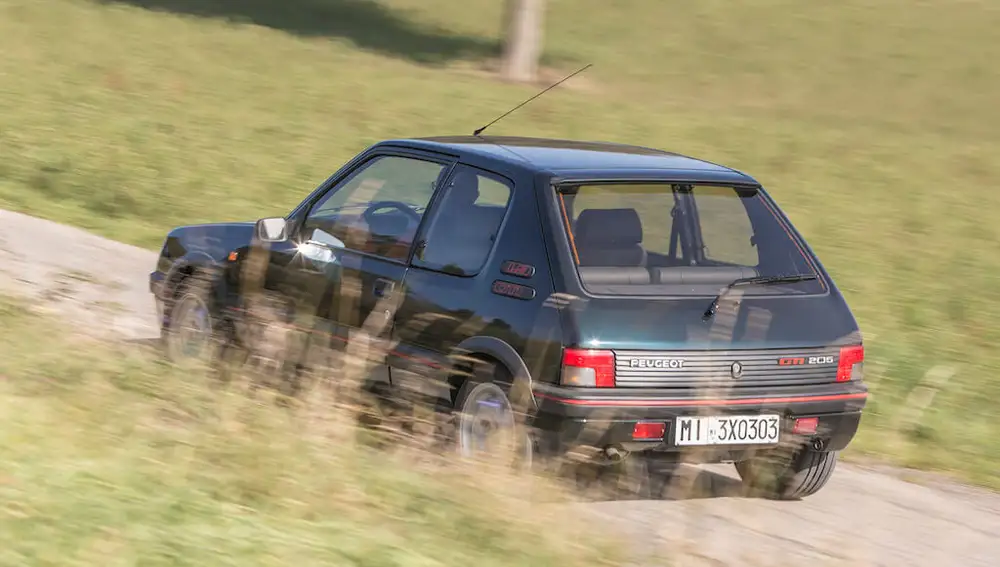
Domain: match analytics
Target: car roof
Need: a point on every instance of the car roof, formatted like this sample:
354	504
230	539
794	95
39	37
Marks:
571	157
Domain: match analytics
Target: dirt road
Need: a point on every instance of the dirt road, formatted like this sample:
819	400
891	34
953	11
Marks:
864	516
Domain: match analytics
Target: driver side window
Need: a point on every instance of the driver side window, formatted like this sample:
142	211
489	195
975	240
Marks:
377	208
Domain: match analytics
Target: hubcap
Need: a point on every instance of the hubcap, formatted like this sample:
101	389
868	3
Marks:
194	327
487	426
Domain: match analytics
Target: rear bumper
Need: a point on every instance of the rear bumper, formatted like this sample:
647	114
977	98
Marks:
569	417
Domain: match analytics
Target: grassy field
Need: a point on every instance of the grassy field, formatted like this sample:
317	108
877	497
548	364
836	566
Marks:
113	457
874	125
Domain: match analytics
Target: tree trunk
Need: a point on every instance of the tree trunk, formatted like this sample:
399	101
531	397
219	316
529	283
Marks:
523	39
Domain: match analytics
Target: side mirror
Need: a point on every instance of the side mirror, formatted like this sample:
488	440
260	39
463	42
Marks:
273	229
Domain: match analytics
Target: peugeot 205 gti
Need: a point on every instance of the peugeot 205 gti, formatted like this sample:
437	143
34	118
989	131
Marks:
650	303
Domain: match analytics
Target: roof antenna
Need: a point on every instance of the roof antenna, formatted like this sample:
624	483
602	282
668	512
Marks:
577	72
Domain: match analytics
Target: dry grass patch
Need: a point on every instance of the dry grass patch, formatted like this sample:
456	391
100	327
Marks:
112	456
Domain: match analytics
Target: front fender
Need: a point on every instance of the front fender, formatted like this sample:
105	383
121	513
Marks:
187	265
194	263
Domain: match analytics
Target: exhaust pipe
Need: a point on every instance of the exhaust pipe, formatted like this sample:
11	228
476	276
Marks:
615	454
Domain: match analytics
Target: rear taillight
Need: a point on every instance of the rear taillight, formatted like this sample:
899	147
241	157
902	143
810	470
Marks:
851	364
588	368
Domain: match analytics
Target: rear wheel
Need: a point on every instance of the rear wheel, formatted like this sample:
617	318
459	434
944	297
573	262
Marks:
788	479
487	425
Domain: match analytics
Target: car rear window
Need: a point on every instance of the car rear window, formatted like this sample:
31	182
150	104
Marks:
678	239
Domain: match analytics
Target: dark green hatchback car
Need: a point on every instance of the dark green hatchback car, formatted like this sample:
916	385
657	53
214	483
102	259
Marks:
626	299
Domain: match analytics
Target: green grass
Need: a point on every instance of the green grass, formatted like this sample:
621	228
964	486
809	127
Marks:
114	457
874	125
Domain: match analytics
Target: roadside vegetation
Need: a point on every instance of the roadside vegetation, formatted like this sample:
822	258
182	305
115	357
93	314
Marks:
113	457
874	125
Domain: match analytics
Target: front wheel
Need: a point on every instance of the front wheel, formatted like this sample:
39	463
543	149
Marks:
803	475
190	335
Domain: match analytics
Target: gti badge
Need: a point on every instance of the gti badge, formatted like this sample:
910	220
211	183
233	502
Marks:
736	370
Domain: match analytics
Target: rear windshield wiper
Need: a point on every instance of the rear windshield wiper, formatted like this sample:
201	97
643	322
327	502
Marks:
758	280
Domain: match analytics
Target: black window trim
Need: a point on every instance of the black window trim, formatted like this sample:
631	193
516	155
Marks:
432	210
299	215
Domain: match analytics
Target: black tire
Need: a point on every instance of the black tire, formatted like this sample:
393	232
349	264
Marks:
191	323
804	475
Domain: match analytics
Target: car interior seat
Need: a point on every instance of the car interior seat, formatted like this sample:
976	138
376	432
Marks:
609	247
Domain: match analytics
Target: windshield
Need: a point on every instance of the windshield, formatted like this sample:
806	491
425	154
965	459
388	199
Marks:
669	239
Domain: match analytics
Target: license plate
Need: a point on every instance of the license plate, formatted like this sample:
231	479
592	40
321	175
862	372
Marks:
727	430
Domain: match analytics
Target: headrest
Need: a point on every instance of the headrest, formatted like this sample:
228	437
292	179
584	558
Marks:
608	227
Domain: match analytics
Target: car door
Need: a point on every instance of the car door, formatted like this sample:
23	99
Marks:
343	268
448	283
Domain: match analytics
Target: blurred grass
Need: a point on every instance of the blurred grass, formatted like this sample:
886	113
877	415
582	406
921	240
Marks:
874	125
114	457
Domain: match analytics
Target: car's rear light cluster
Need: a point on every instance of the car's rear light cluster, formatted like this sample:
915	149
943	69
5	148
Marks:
588	368
851	364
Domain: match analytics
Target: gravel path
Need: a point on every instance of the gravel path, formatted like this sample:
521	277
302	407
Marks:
99	282
864	516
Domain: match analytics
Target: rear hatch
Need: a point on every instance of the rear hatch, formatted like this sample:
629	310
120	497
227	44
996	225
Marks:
675	289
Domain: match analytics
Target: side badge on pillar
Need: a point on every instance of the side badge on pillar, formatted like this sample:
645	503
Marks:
511	289
517	269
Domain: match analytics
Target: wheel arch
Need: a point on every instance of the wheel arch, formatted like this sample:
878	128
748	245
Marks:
505	354
184	268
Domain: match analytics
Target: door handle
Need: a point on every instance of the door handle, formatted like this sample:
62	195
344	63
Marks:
383	287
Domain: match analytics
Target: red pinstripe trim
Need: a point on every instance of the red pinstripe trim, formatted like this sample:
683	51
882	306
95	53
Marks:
417	359
689	403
